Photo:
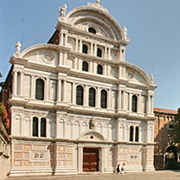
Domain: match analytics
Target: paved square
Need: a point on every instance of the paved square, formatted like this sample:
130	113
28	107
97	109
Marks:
157	175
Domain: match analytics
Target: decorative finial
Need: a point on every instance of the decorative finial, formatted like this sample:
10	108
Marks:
98	1
62	10
18	48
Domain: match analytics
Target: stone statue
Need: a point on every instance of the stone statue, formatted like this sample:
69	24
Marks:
125	32
92	123
18	49
152	77
98	1
62	10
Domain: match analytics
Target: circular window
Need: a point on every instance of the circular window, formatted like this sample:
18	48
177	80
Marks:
48	57
92	30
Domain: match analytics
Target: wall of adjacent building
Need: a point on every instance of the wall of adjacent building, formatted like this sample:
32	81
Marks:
4	152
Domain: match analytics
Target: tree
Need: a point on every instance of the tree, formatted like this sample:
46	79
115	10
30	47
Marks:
4	116
176	131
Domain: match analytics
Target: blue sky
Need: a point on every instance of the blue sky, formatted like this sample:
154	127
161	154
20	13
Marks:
153	28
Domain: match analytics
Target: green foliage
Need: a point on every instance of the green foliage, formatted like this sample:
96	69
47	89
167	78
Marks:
1	109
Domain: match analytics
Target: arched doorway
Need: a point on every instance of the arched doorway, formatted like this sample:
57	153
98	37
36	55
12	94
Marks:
171	157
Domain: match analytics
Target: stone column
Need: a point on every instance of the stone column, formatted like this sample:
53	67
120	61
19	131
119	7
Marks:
139	103
32	87
59	89
91	52
75	63
130	102
108	70
123	100
65	38
108	53
80	159
64	90
46	92
91	69
15	83
61	38
21	84
60	58
86	96
80	45
109	99
105	69
95	49
77	45
65	59
105	53
98	98
152	104
39	127
103	159
73	93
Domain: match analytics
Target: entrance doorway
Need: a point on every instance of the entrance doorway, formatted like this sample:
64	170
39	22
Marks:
90	159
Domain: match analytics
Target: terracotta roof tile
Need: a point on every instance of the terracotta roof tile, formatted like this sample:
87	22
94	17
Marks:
168	111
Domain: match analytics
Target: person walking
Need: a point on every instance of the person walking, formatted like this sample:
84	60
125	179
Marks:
118	169
122	168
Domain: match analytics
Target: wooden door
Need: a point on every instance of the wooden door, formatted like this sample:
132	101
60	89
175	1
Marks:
90	159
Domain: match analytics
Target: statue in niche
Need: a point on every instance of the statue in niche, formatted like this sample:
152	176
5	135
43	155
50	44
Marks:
62	10
92	123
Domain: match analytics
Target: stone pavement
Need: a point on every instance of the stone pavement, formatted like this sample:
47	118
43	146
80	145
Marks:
156	175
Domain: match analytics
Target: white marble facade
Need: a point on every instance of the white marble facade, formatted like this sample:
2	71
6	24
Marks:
90	97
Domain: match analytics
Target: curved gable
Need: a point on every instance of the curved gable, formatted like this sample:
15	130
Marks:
98	18
44	54
137	76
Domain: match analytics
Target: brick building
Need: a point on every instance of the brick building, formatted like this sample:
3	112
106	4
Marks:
164	124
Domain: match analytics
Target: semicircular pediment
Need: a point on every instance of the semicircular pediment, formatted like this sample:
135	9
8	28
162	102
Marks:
92	135
44	54
136	75
107	26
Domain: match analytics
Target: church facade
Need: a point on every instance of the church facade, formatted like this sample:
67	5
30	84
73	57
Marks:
75	104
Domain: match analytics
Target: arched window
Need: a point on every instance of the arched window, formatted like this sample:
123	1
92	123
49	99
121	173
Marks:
103	99
131	133
99	52
134	103
92	97
79	95
137	134
85	66
99	69
35	127
39	89
85	48
43	127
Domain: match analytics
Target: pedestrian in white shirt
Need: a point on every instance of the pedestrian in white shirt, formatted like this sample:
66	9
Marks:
122	168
